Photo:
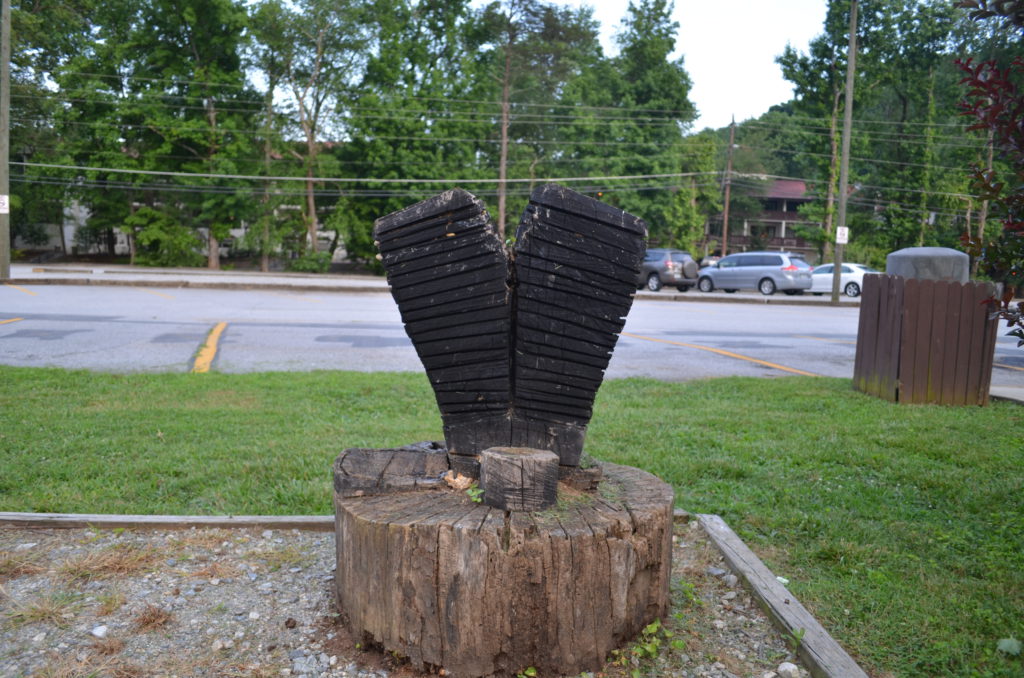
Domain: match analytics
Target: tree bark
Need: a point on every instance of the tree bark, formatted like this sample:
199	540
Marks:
213	251
446	582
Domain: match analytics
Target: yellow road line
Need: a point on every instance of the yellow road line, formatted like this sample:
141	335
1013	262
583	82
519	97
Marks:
21	289
208	351
155	294
10	320
719	351
1009	367
831	341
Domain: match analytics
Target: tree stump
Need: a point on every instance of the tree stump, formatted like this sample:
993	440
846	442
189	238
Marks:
519	478
427	573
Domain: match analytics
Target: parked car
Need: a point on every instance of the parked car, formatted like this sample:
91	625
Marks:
851	278
663	266
762	271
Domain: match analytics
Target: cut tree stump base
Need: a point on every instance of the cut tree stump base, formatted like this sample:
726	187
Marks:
479	591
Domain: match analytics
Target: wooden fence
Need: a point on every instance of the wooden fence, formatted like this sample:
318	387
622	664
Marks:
925	341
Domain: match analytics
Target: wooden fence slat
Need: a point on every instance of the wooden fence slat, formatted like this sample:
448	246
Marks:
865	360
951	343
935	317
908	335
973	314
889	342
922	347
988	340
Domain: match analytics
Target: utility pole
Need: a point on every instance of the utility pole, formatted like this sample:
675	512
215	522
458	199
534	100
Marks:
728	186
5	139
983	217
844	162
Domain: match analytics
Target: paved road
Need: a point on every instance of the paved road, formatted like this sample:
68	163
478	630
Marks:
157	327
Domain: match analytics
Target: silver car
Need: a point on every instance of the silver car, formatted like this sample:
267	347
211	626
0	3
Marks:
762	271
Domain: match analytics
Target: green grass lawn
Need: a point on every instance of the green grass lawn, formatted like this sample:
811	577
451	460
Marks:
900	527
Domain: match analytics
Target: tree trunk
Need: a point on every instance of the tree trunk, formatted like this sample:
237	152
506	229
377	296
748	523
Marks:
311	222
479	591
212	251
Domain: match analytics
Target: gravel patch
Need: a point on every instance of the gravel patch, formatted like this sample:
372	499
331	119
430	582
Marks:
259	603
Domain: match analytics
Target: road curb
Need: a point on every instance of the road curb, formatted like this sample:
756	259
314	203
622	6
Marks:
733	299
199	285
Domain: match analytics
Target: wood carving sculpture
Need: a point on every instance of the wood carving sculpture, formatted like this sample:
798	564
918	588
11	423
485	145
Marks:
515	343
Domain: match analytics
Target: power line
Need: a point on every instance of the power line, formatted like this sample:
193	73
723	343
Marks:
367	112
343	180
497	103
865	160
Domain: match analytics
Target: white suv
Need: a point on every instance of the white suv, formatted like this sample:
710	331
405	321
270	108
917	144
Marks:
762	271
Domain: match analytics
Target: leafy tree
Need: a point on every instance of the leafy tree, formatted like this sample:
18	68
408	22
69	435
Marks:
192	50
162	239
536	49
265	54
995	100
38	195
321	46
627	116
421	114
697	195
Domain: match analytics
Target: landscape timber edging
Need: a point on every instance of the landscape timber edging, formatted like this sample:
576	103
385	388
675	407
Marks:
822	654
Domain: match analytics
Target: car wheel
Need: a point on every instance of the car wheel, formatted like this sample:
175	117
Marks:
705	284
766	286
794	293
852	289
653	282
683	288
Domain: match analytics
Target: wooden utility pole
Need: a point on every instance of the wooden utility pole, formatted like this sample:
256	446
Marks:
983	216
5	139
728	187
844	162
503	160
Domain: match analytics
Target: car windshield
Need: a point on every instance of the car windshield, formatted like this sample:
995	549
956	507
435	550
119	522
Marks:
799	263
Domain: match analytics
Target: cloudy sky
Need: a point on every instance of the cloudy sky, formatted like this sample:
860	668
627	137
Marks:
729	49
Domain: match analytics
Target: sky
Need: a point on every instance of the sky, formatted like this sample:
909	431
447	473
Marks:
729	49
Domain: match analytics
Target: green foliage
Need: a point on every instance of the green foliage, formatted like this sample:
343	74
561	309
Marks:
311	262
796	638
475	492
163	241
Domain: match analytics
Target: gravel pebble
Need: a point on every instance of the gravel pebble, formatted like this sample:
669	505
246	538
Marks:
259	603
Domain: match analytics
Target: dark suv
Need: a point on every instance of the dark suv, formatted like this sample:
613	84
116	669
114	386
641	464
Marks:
662	266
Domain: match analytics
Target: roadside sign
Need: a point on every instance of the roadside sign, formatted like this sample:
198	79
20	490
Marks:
5	204
842	235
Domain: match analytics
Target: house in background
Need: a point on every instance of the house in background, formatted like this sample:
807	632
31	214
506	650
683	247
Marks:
770	224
